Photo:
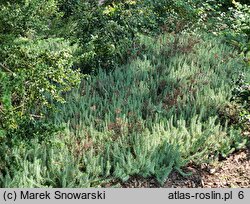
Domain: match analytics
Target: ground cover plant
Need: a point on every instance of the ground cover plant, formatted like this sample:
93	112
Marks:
92	92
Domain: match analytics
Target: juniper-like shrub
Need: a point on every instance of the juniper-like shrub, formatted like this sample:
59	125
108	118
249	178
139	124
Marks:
146	118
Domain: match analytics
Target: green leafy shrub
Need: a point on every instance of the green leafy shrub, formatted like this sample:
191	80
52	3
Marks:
238	32
102	39
28	18
38	71
241	95
232	23
34	68
106	31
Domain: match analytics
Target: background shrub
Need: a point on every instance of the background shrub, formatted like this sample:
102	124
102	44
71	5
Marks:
35	67
106	31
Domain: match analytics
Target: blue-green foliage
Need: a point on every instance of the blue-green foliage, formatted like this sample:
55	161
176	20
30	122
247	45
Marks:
148	118
155	103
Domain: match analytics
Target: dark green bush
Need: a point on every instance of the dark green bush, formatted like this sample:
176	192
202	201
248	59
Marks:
35	67
106	31
28	18
241	96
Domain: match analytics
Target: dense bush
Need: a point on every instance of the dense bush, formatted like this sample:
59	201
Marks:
27	18
241	96
35	67
106	31
233	23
